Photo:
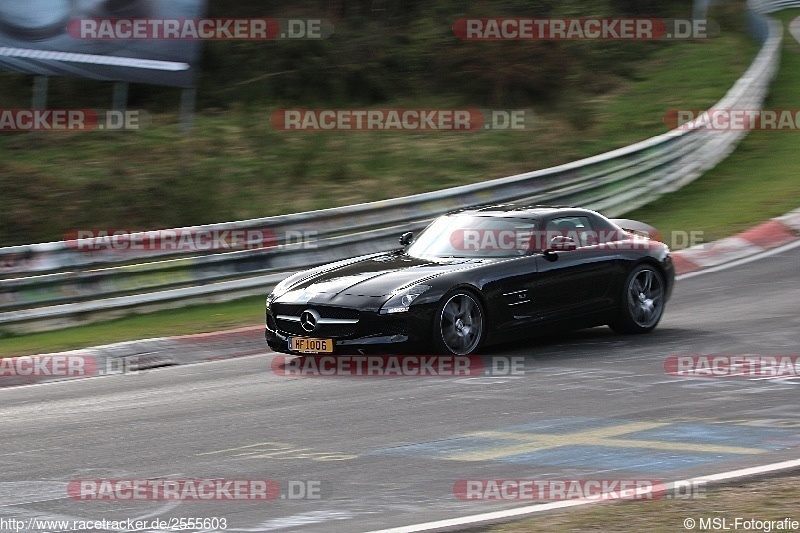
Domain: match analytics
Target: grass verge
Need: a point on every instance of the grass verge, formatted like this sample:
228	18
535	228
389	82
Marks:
757	182
768	499
195	319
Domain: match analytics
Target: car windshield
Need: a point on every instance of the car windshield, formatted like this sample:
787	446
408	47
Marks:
474	237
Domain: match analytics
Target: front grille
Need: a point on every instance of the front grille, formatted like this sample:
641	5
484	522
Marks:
324	311
293	327
323	330
394	327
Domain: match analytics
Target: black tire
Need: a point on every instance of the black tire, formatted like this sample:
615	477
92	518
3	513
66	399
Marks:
641	303
460	324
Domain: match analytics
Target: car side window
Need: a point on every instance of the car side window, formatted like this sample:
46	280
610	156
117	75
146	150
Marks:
577	228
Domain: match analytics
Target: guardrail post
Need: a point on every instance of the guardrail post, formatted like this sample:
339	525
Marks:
39	98
119	98
700	9
188	102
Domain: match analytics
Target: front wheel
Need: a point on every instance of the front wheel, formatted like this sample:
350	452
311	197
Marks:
459	325
641	302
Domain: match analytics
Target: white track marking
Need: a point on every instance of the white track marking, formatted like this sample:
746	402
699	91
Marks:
742	261
542	507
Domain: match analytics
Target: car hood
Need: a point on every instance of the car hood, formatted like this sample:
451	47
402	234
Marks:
375	276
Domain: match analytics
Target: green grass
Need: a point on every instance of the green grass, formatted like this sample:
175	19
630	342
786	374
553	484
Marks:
195	319
235	165
758	181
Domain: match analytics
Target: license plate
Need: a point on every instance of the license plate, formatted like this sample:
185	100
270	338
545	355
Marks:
305	345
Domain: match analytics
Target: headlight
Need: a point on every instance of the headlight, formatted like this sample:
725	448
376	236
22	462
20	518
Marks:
400	301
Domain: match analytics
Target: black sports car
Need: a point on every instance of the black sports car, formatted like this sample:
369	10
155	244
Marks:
477	276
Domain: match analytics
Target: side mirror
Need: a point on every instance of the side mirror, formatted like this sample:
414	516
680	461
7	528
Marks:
563	244
406	238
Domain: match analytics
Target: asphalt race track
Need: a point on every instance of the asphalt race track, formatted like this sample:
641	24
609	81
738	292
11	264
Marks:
388	451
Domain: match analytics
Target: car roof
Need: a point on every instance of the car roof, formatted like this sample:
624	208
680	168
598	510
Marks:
528	211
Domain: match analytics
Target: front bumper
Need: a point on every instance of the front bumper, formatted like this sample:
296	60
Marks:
399	333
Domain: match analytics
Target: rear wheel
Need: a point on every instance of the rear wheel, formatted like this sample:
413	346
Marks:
459	325
641	302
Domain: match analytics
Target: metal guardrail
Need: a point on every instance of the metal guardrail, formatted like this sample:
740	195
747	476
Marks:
771	6
53	284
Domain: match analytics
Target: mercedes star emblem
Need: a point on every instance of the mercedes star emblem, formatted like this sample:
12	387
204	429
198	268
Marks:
309	320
